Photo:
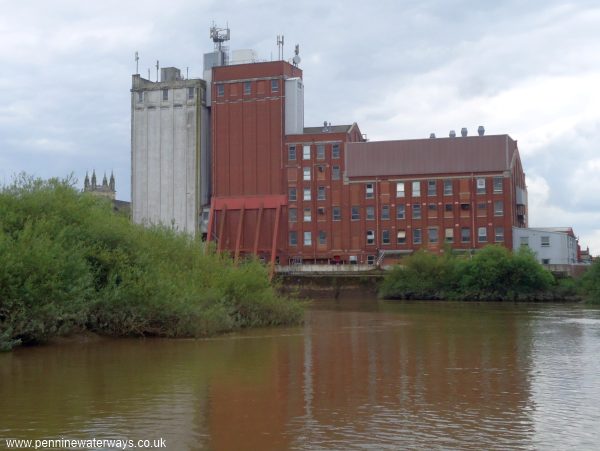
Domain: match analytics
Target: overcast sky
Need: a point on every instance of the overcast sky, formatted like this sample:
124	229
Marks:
400	69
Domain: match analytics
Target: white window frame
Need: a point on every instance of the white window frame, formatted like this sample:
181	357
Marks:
306	152
482	235
306	194
307	238
307	215
416	188
306	174
400	189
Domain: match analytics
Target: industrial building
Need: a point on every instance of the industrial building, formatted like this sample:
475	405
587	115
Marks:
170	157
236	145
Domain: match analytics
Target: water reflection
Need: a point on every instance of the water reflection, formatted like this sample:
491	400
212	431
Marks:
358	374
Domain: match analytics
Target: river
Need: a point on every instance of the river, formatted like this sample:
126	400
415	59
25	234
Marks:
359	374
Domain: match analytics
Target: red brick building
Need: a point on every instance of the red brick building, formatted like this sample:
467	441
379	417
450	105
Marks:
323	194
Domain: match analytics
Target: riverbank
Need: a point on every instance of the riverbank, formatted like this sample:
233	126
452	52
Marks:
71	264
492	274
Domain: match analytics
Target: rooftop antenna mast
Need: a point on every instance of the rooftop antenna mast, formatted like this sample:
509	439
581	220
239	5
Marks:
280	40
219	36
296	59
137	58
157	66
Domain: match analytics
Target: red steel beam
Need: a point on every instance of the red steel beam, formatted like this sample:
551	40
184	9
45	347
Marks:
257	231
221	229
274	242
238	238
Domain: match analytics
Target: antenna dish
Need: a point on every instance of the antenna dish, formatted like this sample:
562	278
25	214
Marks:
296	59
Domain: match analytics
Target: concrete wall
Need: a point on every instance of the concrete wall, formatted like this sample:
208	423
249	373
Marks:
168	138
562	248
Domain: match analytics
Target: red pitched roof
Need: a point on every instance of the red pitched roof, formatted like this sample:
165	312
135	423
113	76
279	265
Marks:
471	154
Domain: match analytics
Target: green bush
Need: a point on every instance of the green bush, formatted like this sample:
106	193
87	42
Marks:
493	273
590	283
422	276
70	263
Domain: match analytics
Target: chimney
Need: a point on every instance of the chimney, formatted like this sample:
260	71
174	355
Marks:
464	132
432	135
452	134
480	130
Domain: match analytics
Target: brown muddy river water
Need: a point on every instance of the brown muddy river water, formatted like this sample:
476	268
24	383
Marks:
360	374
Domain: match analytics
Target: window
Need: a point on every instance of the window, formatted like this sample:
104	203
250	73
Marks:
321	211
480	186
465	235
369	191
220	90
335	151
293	238
497	185
481	209
449	235
320	169
416	211
401	237
432	209
247	88
190	93
292	153
448	208
545	240
370	237
499	234
322	237
306	152
482	235
400	212
336	213
370	259
292	215
140	96
370	213
498	208
385	237
447	187
524	241
417	236
335	172
320	151
307	239
306	194
165	94
321	193
431	188
545	261
385	212
274	85
292	194
432	234
416	189
465	207
307	215
400	189
355	213
306	174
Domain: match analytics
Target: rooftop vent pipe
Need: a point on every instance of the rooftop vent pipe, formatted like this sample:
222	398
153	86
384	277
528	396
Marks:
480	130
452	134
464	132
432	135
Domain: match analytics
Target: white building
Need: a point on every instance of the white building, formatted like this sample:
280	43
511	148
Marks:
170	151
551	245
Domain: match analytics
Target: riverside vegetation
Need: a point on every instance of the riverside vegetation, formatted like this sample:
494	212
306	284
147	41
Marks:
492	274
68	264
